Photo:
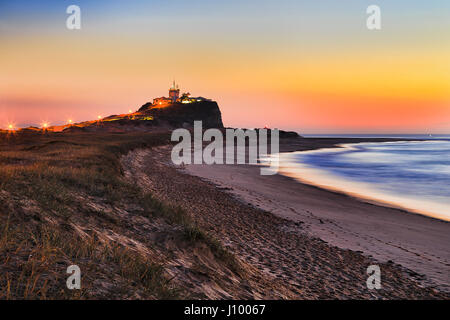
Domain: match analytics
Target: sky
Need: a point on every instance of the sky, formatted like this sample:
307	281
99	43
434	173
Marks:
309	66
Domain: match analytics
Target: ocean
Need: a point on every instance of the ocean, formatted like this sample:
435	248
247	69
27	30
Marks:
412	175
393	135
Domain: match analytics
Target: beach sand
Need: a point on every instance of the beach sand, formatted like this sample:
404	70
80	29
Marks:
295	241
416	242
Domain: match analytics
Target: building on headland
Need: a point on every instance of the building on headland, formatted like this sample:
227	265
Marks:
162	101
174	97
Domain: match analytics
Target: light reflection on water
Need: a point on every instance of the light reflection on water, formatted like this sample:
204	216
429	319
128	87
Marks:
415	175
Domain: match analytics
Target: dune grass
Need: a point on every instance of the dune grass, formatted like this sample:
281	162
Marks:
41	179
47	251
48	170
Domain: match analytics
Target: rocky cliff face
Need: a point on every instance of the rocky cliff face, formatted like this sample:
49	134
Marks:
184	115
149	117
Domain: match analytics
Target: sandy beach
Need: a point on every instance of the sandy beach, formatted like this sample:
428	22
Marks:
296	241
416	242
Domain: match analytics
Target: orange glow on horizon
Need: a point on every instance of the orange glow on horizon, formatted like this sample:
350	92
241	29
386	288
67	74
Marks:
376	86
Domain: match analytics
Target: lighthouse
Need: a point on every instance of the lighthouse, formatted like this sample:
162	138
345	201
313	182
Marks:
174	92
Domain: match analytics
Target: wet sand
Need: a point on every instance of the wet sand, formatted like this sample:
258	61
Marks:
416	242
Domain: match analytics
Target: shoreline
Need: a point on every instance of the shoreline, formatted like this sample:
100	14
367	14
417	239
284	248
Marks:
364	198
415	241
363	191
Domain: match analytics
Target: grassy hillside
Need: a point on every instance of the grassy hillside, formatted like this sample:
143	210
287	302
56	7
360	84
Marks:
64	201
